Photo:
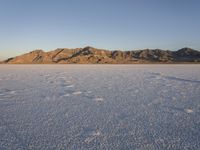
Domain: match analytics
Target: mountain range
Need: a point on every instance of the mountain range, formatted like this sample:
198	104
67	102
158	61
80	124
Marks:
90	55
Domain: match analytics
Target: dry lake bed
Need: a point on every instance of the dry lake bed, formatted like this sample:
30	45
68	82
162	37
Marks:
106	107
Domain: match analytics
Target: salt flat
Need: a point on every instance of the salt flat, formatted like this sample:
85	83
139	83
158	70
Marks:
100	107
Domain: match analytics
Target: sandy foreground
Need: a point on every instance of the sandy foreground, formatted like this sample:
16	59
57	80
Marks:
153	107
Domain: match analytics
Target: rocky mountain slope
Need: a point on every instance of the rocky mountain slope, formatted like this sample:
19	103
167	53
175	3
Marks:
90	55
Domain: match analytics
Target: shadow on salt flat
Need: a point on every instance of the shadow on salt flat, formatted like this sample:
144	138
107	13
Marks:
160	75
180	79
184	110
7	92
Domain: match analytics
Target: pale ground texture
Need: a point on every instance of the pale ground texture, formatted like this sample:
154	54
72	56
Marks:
106	107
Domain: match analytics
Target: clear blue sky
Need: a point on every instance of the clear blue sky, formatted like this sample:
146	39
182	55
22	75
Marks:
112	24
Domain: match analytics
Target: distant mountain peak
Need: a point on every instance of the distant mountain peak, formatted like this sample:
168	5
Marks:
184	52
88	47
37	51
186	49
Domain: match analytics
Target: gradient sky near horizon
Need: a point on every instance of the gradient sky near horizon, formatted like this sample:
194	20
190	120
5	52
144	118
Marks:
26	25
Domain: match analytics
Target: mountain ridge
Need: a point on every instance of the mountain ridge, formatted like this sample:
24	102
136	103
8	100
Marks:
91	55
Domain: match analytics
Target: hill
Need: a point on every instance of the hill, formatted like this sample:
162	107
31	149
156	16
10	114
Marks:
90	55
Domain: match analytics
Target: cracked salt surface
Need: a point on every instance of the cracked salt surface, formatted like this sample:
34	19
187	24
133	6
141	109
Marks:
99	99
100	107
77	93
189	110
66	95
70	86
